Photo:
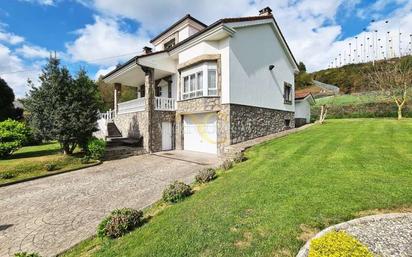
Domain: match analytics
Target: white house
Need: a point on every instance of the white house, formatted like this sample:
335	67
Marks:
303	101
204	87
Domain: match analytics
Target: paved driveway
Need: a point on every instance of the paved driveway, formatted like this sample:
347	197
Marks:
50	215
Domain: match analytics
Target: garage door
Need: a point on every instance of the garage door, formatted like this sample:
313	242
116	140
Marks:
200	132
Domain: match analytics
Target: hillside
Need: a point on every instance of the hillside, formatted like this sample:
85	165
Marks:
350	78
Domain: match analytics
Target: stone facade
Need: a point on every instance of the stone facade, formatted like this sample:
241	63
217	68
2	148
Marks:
200	104
249	122
157	118
132	125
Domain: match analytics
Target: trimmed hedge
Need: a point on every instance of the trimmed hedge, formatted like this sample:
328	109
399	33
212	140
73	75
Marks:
176	192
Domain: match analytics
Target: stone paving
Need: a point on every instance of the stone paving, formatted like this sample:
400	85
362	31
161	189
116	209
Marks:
52	214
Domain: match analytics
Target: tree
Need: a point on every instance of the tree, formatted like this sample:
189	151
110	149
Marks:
393	79
302	67
63	108
7	109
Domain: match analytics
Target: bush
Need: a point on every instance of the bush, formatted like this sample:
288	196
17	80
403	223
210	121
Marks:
85	159
7	175
13	135
119	222
205	175
96	148
25	254
337	243
239	157
50	166
176	192
227	164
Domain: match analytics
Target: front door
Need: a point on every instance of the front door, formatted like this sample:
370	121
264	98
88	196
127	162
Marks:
167	136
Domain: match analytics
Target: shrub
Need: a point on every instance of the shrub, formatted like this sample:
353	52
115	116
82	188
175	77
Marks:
13	135
85	159
7	175
227	164
119	222
239	157
26	254
176	192
96	148
50	166
337	243
205	175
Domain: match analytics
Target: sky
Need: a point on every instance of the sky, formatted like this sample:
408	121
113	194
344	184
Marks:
98	34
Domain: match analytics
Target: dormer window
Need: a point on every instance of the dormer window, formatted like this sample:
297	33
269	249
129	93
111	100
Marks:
169	44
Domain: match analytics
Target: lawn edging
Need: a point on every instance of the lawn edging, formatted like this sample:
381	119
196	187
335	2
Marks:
304	251
48	175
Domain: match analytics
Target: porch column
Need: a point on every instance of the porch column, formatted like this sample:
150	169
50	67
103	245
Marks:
149	108
116	94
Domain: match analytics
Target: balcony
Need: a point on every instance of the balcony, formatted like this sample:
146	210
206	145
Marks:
135	105
165	104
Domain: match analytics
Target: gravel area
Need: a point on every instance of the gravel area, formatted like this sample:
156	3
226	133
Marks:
386	235
389	236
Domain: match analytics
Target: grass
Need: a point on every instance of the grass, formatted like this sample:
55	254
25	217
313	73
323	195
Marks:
287	188
342	100
29	162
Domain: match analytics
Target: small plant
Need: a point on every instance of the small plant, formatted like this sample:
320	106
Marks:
119	222
239	157
226	165
85	159
13	135
96	148
7	175
176	192
26	254
337	243
50	166
206	175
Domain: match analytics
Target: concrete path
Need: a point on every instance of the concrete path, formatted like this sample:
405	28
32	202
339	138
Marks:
52	214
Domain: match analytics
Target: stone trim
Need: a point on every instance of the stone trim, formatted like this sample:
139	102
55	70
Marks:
198	105
197	60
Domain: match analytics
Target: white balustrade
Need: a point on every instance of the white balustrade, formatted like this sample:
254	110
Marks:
165	104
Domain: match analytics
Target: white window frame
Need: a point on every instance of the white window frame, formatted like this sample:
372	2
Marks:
198	91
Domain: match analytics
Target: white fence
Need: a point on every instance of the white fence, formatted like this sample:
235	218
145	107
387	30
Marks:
108	116
165	104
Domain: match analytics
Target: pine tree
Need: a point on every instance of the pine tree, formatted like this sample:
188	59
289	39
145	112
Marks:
7	109
63	108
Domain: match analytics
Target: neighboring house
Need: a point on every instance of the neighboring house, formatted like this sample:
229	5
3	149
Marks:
303	101
206	87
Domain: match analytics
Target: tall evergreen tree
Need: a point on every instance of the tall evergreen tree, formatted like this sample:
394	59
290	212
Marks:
63	108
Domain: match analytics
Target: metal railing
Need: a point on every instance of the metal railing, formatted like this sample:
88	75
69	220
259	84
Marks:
165	104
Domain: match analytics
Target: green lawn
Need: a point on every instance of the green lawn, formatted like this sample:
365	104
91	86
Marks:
352	99
29	162
323	175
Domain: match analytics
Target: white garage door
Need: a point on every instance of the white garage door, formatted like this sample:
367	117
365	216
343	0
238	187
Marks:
200	132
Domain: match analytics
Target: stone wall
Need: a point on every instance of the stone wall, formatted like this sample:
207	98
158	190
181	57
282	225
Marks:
132	125
249	122
200	104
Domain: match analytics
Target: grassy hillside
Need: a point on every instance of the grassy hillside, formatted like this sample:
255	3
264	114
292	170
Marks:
349	78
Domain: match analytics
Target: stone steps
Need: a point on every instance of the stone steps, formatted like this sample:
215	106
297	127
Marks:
120	152
112	130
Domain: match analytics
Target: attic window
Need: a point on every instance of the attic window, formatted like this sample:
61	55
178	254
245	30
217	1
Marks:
169	44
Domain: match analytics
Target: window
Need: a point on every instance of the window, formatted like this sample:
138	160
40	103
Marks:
193	85
141	91
199	81
287	93
211	82
169	44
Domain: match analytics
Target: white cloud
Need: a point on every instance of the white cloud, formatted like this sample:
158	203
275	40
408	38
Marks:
105	43
31	52
10	38
102	72
10	64
41	2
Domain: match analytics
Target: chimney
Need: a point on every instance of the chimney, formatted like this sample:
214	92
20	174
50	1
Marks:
265	11
147	50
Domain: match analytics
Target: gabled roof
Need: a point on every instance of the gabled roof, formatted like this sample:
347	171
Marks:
299	96
208	28
187	16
